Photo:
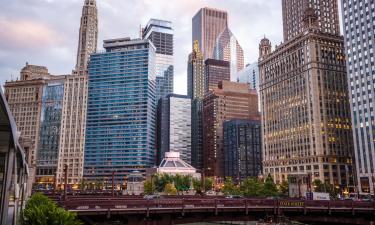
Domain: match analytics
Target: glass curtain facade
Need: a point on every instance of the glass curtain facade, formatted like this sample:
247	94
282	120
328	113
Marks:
48	147
160	33
120	124
359	42
242	149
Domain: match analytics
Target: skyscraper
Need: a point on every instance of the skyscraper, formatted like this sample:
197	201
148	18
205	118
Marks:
120	127
174	126
228	49
25	99
359	20
50	127
73	122
242	149
325	10
160	33
208	24
230	100
305	105
216	71
88	35
196	91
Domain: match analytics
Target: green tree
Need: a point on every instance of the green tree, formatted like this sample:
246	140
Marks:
181	182
161	180
284	188
149	187
170	189
319	186
208	182
197	185
230	188
269	187
251	187
40	210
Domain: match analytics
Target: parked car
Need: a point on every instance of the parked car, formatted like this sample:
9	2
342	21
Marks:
150	197
234	197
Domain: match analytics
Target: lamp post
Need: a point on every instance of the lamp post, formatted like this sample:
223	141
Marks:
65	181
113	183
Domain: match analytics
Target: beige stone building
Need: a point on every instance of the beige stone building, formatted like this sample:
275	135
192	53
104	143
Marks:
305	105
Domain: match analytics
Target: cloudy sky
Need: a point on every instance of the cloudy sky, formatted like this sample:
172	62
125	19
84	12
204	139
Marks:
45	32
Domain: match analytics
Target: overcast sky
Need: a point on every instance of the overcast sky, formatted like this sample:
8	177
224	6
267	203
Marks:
45	32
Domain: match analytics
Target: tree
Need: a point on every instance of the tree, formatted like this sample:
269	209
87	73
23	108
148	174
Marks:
251	187
208	182
170	189
40	210
284	188
182	183
319	186
269	187
197	185
149	187
229	187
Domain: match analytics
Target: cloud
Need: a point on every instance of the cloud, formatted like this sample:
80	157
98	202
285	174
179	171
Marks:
52	28
26	34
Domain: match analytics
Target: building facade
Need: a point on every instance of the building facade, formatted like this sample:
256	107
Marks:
120	124
196	91
250	75
73	122
160	33
305	106
216	71
88	35
49	135
293	12
359	43
242	149
230	100
208	24
228	49
174	126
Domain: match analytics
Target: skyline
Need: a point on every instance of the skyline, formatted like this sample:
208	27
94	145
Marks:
27	32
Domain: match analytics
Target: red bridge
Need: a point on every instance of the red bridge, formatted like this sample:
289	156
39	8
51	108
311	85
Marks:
183	209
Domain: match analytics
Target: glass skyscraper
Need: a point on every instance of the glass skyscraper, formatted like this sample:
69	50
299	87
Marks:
160	33
359	28
49	136
120	124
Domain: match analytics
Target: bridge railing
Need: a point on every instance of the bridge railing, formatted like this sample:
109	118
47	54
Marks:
180	203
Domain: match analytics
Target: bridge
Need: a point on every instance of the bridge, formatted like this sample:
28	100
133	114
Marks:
189	209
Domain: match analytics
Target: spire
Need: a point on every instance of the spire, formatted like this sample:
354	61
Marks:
88	35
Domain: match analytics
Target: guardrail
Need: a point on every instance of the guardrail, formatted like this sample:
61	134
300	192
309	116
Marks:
173	204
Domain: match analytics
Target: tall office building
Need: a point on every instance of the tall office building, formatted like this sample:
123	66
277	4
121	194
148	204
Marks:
250	75
24	97
160	33
305	105
208	24
88	35
120	127
49	134
359	28
242	149
230	100
228	49
325	10
216	71
73	122
174	126
196	91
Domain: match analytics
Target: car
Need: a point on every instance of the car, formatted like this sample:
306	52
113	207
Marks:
234	197
150	197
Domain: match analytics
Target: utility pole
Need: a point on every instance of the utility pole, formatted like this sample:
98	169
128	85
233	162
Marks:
113	183
65	181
